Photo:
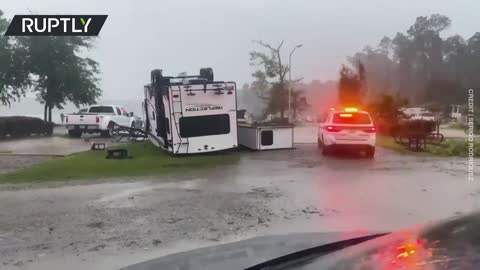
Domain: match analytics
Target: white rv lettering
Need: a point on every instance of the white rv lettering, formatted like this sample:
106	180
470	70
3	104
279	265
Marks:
205	108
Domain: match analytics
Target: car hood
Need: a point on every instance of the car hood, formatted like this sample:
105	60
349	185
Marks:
245	253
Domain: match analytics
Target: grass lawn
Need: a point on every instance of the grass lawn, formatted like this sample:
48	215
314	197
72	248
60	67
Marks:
389	142
454	147
147	160
448	148
457	125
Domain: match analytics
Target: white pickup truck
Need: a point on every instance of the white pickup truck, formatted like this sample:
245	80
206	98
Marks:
98	119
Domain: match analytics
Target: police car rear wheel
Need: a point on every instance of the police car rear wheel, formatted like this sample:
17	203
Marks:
326	150
370	152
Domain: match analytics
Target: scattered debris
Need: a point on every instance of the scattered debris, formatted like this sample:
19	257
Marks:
98	146
119	153
42	246
156	242
307	211
96	225
97	248
173	220
131	243
215	239
261	220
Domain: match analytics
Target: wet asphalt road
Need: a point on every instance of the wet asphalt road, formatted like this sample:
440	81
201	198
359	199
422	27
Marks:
113	224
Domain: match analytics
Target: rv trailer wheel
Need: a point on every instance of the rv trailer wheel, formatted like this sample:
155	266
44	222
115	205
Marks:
207	73
156	76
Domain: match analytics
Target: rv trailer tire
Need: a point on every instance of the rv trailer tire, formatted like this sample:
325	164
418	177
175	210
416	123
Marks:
207	73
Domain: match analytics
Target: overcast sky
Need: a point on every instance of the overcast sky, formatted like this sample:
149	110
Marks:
178	35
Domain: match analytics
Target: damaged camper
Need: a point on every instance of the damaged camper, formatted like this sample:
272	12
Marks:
190	114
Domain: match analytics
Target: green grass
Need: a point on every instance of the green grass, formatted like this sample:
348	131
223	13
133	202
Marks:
452	147
389	142
457	125
448	148
147	160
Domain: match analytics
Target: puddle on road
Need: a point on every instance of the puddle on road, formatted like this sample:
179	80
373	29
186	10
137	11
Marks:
149	187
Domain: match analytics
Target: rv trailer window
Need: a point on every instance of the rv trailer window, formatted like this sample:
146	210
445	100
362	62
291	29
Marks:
205	125
267	137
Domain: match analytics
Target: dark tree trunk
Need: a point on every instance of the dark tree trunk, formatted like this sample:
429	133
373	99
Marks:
45	112
49	114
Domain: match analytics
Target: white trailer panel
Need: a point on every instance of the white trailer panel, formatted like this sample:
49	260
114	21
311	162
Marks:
265	137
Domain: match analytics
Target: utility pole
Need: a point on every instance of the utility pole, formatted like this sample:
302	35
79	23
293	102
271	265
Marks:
290	83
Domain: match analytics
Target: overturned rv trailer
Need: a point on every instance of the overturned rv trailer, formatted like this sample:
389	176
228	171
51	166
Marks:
190	114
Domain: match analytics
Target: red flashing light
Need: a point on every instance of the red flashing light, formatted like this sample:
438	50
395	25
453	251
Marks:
345	115
370	130
332	128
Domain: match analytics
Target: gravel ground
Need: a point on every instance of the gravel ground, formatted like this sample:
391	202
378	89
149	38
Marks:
113	224
117	222
93	220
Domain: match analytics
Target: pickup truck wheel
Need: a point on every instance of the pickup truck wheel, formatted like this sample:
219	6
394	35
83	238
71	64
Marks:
132	132
109	131
75	133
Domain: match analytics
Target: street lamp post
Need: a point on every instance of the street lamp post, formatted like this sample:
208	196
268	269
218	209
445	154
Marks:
289	83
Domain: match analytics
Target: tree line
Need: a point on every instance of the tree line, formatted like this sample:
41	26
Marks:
419	65
53	68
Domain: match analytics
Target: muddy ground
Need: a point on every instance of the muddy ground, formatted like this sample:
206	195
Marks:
123	221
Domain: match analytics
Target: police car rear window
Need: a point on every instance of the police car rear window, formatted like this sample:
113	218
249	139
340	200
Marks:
351	118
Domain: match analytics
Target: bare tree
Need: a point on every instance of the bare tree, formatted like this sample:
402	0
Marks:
274	91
